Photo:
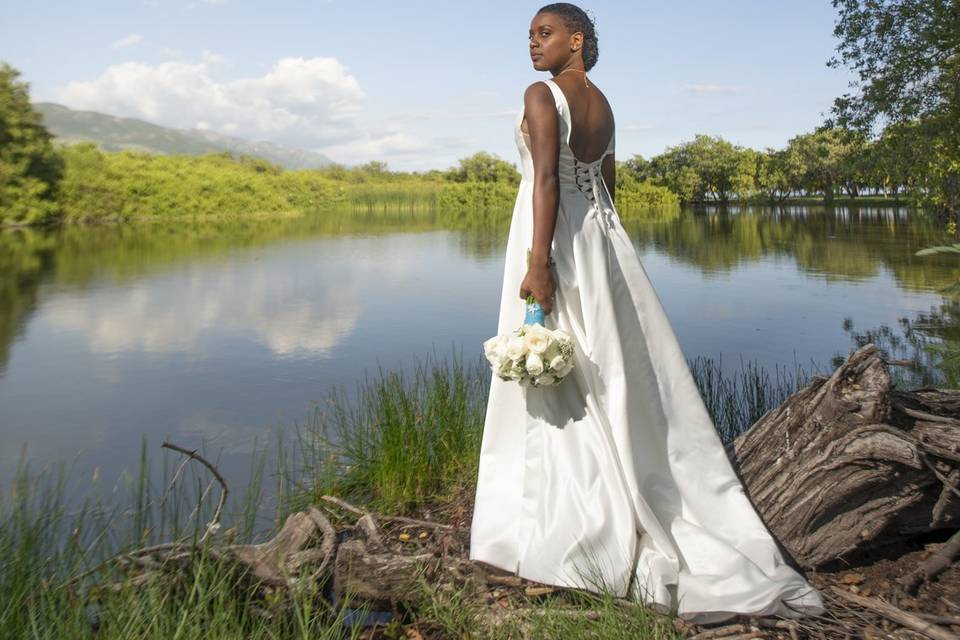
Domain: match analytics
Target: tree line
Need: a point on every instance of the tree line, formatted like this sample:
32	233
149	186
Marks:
41	183
827	163
906	54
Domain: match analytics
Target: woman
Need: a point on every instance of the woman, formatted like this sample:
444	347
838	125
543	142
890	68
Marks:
615	479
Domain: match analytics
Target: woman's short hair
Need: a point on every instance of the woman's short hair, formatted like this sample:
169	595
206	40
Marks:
576	19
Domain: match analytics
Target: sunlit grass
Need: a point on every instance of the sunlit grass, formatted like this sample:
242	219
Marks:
410	440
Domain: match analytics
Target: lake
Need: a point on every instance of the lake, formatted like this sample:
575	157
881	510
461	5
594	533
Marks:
219	334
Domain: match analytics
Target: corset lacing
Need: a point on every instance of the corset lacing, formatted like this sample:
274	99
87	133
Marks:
590	182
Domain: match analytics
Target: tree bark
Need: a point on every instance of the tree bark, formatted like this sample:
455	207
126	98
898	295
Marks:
849	464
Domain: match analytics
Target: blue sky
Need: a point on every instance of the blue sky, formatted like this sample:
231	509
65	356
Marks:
421	84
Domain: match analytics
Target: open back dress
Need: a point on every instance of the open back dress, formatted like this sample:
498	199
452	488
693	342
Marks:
615	479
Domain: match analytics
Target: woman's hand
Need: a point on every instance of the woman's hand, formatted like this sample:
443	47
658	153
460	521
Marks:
539	282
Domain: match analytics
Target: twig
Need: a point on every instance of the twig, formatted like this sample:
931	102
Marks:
790	625
328	546
945	480
721	632
192	453
934	565
413	522
343	504
173	481
897	615
136	552
938	619
369	527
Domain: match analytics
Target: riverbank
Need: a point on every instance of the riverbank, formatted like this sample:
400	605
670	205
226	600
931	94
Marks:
408	447
98	186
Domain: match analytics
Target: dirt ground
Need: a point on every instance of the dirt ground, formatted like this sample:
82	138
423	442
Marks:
874	576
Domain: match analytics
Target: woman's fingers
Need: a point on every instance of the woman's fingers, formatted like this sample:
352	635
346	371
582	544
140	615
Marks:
542	289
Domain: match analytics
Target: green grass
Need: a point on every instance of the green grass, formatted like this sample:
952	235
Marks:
410	441
736	400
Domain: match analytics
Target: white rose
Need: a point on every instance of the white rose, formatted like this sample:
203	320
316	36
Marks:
538	338
534	364
502	347
557	363
565	369
516	347
493	349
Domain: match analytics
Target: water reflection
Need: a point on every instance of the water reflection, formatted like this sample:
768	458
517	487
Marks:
291	300
218	333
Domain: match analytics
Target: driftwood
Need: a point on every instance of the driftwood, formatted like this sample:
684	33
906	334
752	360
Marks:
848	464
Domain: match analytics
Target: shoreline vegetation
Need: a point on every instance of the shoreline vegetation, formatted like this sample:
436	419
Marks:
42	183
408	446
82	562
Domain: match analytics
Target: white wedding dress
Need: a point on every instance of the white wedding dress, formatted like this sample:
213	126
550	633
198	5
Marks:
615	479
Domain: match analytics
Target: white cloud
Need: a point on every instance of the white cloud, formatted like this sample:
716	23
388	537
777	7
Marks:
713	89
306	102
381	145
211	57
127	41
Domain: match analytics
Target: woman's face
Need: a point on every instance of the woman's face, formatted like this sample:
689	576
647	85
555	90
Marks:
550	43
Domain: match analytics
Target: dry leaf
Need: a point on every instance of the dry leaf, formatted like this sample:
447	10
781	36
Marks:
852	578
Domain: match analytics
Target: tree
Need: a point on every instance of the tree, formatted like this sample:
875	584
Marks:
906	54
855	164
484	167
705	166
637	166
822	154
778	173
29	166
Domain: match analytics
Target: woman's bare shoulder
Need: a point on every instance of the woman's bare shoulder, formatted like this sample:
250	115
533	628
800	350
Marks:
537	91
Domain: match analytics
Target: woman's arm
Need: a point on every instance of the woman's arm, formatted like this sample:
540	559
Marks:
543	125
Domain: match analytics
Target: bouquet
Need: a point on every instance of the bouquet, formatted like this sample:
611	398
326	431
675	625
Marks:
531	354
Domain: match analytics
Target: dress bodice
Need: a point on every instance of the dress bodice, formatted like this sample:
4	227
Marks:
574	174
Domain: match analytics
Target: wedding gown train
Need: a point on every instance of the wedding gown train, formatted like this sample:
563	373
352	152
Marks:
615	479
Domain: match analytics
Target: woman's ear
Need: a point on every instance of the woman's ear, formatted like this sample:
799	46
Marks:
576	41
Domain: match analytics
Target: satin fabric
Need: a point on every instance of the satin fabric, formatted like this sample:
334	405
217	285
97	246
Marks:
615	479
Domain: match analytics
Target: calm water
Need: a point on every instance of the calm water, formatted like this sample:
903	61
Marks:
217	335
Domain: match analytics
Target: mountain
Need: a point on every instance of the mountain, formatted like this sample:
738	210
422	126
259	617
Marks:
113	133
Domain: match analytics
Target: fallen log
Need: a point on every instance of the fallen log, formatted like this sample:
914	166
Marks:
848	464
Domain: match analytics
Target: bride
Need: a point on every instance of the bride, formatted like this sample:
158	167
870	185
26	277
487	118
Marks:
614	480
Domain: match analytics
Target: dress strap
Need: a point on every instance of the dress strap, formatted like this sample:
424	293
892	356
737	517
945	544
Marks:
563	109
559	99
